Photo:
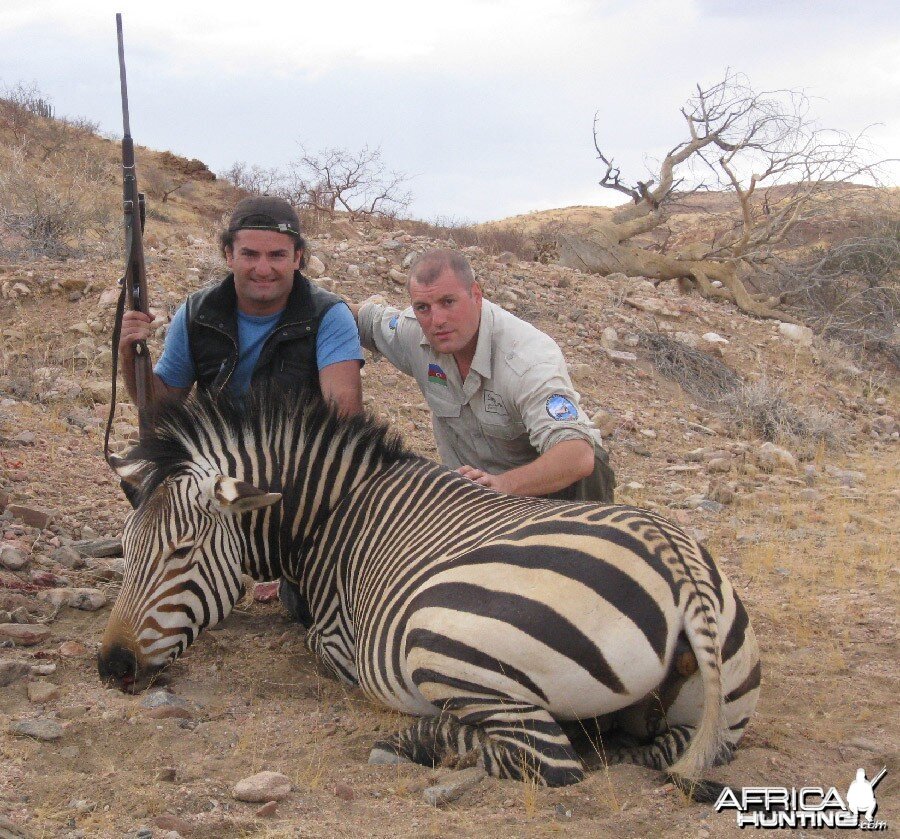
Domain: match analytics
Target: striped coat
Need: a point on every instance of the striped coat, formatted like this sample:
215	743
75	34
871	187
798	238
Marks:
520	630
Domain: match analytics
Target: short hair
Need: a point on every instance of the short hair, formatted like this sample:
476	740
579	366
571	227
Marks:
430	265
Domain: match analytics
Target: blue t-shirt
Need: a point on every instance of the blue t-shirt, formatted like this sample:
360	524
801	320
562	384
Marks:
337	340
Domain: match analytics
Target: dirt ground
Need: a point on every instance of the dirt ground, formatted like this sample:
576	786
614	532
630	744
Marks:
818	573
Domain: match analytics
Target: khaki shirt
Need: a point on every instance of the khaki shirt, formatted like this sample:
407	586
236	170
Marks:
516	402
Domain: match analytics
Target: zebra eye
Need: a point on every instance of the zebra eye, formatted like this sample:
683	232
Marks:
181	553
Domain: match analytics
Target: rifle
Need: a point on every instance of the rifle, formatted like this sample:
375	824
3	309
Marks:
134	281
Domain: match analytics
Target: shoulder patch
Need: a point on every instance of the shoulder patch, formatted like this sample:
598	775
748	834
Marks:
392	323
561	408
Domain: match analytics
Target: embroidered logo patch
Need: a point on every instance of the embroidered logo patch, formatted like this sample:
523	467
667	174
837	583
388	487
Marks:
436	375
561	408
392	323
493	404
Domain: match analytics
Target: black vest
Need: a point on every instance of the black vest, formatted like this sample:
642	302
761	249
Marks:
288	355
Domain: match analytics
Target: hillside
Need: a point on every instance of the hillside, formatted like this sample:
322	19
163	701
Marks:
777	451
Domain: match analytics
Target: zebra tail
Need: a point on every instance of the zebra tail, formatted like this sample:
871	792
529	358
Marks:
702	630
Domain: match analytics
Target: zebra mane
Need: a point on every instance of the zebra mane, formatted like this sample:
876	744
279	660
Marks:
182	429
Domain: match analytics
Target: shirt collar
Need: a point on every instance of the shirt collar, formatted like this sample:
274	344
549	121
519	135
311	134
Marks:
481	363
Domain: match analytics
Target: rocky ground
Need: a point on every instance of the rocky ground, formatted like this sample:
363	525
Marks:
806	527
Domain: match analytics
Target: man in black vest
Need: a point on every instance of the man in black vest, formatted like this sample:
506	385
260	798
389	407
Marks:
265	320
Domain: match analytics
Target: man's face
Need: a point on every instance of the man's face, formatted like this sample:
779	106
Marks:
448	314
263	262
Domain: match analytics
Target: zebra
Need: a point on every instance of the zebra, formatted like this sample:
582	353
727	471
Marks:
536	638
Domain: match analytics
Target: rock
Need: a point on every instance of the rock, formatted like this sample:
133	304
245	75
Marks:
72	649
605	422
720	492
264	786
802	335
770	457
40	691
809	495
47	579
68	557
609	338
397	277
315	268
24	634
86	599
99	391
619	356
353	271
720	464
167	821
72	712
710	506
714	338
32	516
692	339
452	786
12	558
848	477
267	810
39	729
25	438
98	548
163	704
344	792
654	306
11	671
170	712
885	425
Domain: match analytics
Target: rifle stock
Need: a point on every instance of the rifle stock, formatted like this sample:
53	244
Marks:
135	278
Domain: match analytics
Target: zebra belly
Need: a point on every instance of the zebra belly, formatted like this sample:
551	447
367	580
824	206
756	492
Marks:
516	665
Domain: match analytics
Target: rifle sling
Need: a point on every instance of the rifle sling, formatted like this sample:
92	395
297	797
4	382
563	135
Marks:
117	331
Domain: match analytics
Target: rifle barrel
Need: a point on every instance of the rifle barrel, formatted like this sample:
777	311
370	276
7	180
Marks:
122	80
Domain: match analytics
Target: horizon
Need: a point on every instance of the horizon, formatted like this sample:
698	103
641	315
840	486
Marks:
486	127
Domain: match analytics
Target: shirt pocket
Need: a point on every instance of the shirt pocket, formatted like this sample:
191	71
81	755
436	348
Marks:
443	408
503	431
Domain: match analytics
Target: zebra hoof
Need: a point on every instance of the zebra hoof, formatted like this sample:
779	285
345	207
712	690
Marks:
386	757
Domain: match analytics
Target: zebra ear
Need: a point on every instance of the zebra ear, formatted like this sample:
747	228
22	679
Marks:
233	496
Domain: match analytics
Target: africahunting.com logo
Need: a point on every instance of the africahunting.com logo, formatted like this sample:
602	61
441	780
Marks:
809	807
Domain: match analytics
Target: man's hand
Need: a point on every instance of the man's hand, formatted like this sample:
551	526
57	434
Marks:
485	479
136	326
558	467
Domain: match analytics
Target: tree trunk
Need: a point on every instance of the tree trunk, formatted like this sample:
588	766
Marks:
604	255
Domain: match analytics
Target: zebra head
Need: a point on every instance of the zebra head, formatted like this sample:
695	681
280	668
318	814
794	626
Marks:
183	550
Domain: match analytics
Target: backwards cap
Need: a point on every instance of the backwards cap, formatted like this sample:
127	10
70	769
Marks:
264	212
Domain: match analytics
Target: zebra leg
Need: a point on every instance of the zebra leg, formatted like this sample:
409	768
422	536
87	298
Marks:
662	751
431	741
522	742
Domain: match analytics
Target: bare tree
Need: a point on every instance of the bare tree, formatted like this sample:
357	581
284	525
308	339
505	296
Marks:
258	180
762	148
355	182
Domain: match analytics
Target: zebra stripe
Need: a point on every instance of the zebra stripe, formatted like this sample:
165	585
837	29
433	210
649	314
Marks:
495	618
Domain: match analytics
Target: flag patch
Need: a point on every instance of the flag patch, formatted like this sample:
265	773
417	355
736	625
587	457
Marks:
436	375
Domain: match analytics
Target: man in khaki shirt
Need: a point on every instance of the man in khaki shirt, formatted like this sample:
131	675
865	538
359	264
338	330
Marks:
504	411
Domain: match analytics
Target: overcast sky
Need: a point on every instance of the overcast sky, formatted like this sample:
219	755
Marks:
487	103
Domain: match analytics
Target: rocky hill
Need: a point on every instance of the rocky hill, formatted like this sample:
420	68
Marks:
778	451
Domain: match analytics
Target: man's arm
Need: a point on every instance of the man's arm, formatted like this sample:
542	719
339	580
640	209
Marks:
342	386
558	467
136	326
